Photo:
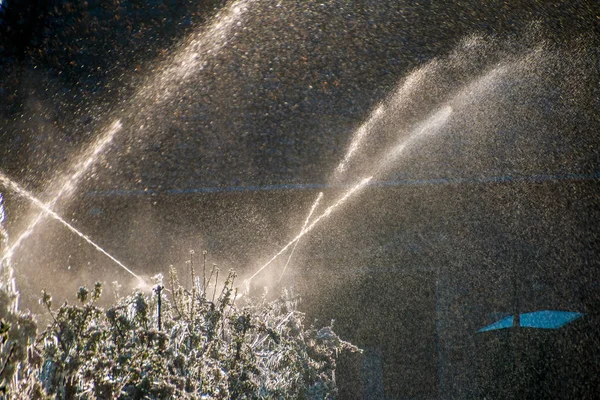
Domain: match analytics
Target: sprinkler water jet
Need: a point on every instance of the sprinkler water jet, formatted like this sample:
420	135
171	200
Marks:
9	183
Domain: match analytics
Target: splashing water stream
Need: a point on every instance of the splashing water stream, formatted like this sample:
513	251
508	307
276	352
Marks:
310	213
3	233
201	45
428	126
361	134
159	88
431	124
358	138
68	185
325	214
9	183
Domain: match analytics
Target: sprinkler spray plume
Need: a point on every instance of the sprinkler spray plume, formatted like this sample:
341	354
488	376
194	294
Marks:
68	185
310	213
9	183
310	227
155	92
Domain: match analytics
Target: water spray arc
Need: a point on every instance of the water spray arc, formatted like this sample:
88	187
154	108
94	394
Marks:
325	214
312	210
362	133
359	137
3	233
68	184
9	183
410	84
428	126
198	47
201	45
431	124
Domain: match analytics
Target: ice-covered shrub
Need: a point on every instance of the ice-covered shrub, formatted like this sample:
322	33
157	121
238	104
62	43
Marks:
17	334
209	344
17	330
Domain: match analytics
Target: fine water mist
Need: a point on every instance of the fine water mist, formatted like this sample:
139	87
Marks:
7	182
66	185
378	165
150	97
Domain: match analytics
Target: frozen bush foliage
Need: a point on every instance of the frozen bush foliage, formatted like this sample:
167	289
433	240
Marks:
17	330
17	334
210	345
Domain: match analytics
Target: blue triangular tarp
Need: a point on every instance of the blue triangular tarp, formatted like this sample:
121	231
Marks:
548	319
504	323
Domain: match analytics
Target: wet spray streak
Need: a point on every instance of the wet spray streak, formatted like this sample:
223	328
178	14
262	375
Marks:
327	212
361	133
192	57
440	118
3	233
358	138
429	126
312	210
68	185
22	192
433	123
88	159
410	84
187	61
